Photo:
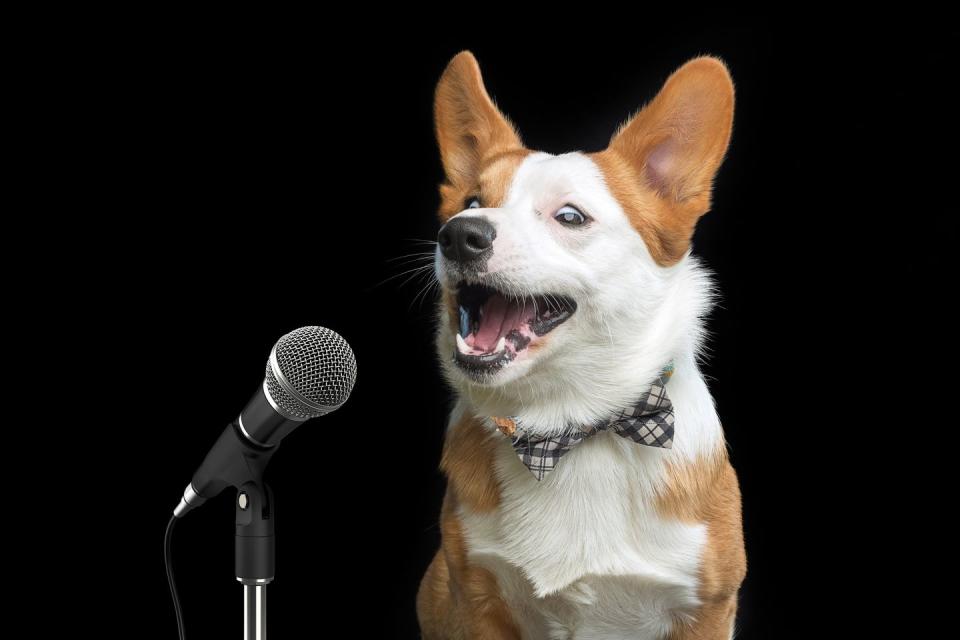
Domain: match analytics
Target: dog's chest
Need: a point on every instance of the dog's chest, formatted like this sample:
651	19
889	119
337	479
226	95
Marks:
584	553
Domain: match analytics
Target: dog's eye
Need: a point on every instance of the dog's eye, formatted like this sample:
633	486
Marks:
472	202
570	215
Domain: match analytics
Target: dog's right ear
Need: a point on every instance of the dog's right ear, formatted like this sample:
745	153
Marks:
469	126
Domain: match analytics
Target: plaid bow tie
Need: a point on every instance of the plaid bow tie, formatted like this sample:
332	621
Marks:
648	422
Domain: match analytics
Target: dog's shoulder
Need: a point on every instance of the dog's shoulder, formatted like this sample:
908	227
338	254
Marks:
469	452
707	492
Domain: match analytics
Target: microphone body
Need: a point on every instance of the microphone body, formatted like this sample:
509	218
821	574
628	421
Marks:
311	372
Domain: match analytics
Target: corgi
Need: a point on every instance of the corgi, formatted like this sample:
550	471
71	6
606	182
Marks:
567	291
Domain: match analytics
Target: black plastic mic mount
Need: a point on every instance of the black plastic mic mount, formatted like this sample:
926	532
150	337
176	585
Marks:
236	461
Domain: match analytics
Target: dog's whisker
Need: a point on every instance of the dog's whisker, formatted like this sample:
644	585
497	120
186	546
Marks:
420	255
420	241
606	325
437	289
419	273
415	271
409	262
414	261
425	291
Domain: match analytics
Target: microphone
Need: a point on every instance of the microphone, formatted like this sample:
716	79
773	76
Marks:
310	372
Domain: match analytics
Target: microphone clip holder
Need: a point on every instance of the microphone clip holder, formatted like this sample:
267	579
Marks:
255	548
235	460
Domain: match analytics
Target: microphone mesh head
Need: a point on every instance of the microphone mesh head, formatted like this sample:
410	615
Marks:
311	372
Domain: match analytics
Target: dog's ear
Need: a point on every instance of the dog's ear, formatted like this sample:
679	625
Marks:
679	139
469	126
676	143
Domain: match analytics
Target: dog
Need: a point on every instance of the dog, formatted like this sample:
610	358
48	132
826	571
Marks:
568	292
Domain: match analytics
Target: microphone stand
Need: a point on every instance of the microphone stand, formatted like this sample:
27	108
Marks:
255	554
323	371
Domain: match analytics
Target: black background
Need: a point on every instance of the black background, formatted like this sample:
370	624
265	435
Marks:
268	177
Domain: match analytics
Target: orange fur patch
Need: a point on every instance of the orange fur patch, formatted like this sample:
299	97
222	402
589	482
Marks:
491	184
707	492
666	235
713	621
457	599
467	461
506	426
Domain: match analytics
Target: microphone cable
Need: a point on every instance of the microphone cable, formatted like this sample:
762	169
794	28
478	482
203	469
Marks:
167	537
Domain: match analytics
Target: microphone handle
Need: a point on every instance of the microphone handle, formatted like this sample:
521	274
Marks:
241	453
234	460
263	422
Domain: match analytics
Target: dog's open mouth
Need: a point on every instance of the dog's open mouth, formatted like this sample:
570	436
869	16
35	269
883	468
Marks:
494	327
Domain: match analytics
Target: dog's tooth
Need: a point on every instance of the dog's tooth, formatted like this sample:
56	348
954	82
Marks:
501	345
461	345
464	321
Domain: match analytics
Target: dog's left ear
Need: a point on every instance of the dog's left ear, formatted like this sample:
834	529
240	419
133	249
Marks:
676	144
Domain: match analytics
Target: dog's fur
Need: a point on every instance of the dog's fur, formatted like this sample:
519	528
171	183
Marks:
620	540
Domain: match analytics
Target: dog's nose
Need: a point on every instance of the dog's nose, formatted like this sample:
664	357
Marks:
466	239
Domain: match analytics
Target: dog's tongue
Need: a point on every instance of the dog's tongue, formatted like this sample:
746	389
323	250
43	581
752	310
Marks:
498	317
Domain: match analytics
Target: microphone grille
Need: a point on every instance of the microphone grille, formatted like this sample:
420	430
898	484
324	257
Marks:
311	372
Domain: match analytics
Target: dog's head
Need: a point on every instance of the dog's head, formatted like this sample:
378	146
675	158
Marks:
557	263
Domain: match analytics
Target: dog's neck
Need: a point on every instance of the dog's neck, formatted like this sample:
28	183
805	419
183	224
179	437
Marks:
599	378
